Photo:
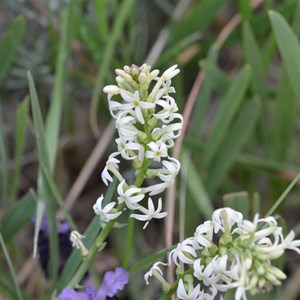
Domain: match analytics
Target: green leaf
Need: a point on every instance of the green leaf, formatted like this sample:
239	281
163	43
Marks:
255	60
245	9
225	114
9	45
38	124
7	289
178	47
18	216
229	295
44	195
289	48
197	19
101	14
235	139
198	117
56	195
215	76
150	260
285	116
22	114
3	164
54	115
11	269
198	192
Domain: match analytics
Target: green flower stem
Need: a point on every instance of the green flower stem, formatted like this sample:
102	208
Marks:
105	232
129	240
130	229
141	176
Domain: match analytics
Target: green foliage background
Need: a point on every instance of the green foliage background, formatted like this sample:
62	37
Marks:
242	137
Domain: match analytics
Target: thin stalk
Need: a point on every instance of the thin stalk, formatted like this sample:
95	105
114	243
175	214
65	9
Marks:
129	240
130	229
92	252
283	195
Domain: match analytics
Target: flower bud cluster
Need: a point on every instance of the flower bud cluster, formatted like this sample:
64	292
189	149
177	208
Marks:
229	252
147	123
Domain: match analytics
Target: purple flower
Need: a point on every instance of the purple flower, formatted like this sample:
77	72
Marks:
65	245
113	282
70	294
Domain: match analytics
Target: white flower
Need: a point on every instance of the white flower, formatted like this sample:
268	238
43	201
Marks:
156	188
106	213
226	273
157	151
191	293
170	73
124	124
127	149
226	217
280	244
203	235
76	238
111	165
168	113
111	90
165	90
219	272
170	170
155	269
164	80
290	243
241	284
134	102
204	273
150	213
130	196
184	252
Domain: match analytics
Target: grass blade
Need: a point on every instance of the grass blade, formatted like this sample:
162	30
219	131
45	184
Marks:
101	17
9	45
283	196
56	195
255	60
151	259
233	143
196	188
3	164
289	48
11	268
45	198
285	115
22	113
215	76
199	18
54	115
18	216
197	120
225	114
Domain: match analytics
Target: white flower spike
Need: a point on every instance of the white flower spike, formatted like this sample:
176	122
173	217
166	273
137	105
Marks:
147	123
